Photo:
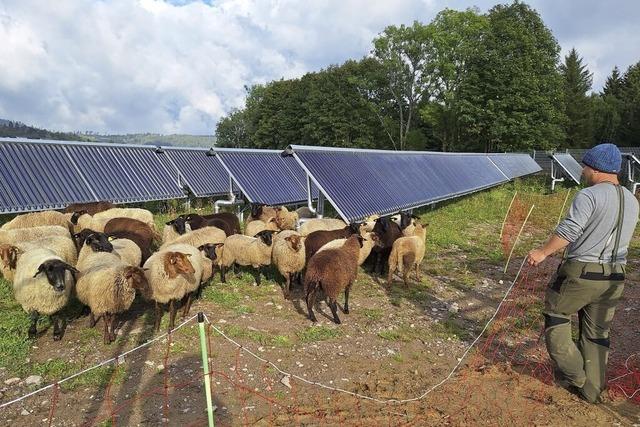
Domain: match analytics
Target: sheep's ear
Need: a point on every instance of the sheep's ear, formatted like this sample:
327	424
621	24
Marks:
187	255
170	222
40	270
111	238
71	269
145	269
202	247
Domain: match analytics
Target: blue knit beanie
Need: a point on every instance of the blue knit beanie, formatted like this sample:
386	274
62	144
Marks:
603	157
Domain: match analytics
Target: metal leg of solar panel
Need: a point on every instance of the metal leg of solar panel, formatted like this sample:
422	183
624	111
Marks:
554	178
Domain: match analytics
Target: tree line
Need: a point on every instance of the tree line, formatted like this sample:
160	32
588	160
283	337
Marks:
463	82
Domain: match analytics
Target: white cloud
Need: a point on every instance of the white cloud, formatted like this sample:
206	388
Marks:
155	66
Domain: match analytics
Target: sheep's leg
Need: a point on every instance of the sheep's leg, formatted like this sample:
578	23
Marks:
418	278
187	305
311	300
405	277
105	331
172	314
390	276
377	262
257	276
333	305
346	299
158	318
287	285
113	324
57	333
92	320
33	330
222	278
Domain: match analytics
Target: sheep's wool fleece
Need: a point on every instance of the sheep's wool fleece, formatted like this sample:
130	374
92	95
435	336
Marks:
169	234
365	250
36	219
61	246
105	290
36	294
165	289
245	250
128	251
19	235
283	257
89	259
199	237
318	224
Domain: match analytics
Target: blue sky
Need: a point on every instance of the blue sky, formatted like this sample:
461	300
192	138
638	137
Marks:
178	67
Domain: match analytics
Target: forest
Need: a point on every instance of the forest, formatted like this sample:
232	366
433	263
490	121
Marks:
465	81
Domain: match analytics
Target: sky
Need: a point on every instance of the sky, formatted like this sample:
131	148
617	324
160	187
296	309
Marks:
136	66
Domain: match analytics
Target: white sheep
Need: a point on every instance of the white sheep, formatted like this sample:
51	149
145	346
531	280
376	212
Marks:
318	224
38	219
109	289
370	240
97	222
128	251
286	220
64	247
247	251
42	285
254	227
407	253
169	232
288	255
21	235
174	273
199	237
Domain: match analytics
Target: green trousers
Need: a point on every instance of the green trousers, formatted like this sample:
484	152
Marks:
592	290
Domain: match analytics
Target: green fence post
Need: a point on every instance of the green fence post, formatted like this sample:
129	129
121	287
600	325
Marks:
205	367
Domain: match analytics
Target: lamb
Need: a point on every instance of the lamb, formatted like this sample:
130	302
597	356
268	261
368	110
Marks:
371	239
199	237
245	250
38	219
109	289
20	235
254	227
42	285
288	255
174	229
98	221
406	254
61	246
286	220
173	274
232	224
317	239
318	224
388	231
91	208
332	271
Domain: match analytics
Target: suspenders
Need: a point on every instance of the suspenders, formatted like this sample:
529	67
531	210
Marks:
617	228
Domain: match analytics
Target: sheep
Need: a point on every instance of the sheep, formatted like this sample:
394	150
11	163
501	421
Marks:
254	227
130	225
42	285
371	239
173	274
288	255
199	237
174	229
232	227
61	246
388	231
370	222
38	219
286	220
211	256
318	224
97	222
317	239
141	242
20	235
305	212
332	271
109	290
91	208
247	251
407	254
262	212
95	249
128	251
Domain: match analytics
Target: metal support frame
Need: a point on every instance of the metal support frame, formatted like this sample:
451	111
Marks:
231	201
554	177
632	164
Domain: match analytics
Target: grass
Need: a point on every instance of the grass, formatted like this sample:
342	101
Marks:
260	337
318	333
373	313
449	328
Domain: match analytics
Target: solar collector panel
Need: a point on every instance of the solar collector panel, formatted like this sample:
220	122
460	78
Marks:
515	165
569	165
202	173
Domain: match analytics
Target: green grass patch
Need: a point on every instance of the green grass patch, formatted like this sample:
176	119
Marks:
98	377
449	328
318	333
373	313
260	337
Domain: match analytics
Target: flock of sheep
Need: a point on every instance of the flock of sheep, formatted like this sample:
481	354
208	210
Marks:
104	256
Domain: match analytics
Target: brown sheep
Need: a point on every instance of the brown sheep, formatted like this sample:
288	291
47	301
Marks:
137	231
317	239
262	212
196	222
233	224
332	271
91	208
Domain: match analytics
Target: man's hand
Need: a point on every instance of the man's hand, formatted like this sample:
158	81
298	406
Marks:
536	256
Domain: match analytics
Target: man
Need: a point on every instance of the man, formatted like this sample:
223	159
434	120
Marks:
590	280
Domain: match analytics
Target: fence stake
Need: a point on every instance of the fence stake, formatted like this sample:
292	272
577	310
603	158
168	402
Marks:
518	238
507	214
205	366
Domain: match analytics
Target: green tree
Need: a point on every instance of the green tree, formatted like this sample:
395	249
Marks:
577	105
456	38
406	56
231	131
512	96
613	85
629	133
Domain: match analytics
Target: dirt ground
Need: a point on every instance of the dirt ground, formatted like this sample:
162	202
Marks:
395	344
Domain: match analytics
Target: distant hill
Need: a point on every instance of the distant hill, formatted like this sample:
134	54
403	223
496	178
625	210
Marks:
15	129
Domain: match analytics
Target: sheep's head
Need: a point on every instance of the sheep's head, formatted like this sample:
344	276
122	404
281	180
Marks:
9	255
176	263
374	238
137	280
209	250
353	228
55	270
99	242
256	209
189	217
382	225
266	236
179	224
81	237
295	242
76	215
